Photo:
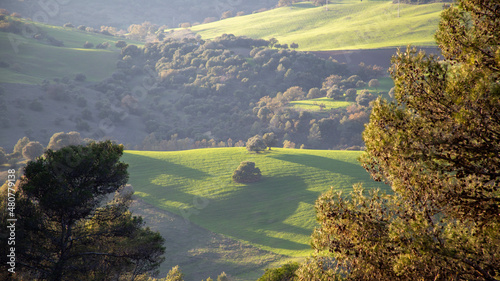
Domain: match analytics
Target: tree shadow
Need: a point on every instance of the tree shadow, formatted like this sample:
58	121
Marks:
324	163
263	222
168	168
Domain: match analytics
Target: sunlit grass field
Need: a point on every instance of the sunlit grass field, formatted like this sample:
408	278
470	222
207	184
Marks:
313	104
275	214
347	24
386	83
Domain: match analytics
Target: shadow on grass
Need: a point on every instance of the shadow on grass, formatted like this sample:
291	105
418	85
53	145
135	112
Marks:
166	167
303	5
324	163
257	212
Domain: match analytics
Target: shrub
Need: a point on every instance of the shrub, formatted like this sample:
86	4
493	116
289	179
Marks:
80	77
350	94
246	173
364	98
256	143
226	14
120	44
88	45
270	140
60	140
32	150
288	144
374	83
21	143
283	273
103	45
36	105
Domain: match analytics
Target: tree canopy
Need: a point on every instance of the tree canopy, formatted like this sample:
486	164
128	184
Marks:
70	227
438	146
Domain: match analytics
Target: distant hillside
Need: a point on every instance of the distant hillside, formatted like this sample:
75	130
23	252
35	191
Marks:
122	13
347	24
47	52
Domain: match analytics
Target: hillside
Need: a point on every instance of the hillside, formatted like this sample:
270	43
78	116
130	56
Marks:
347	24
122	13
28	60
275	214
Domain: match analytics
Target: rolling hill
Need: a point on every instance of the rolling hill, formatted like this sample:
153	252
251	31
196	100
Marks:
275	214
30	61
347	24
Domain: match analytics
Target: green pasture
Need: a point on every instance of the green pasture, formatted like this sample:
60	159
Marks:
313	104
275	214
347	24
386	83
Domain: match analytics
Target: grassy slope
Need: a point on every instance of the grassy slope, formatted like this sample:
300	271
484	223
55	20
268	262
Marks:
276	214
312	104
348	24
32	61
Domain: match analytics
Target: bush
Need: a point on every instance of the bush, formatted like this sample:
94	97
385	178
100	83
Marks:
283	273
32	150
21	143
256	143
80	77
374	83
247	173
103	45
36	105
364	98
88	45
60	140
350	94
120	44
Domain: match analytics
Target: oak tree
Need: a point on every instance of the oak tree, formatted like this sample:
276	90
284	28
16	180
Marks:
438	146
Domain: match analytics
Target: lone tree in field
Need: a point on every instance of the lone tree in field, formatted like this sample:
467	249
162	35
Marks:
256	143
247	173
438	146
270	139
68	228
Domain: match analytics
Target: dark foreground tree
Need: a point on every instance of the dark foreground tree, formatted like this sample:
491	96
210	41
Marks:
438	146
70	227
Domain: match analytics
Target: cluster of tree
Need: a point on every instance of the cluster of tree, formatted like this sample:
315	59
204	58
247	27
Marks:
13	23
438	146
234	87
151	142
30	150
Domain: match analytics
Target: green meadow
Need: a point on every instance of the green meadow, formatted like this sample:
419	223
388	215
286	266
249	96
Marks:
386	83
275	214
347	24
313	104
